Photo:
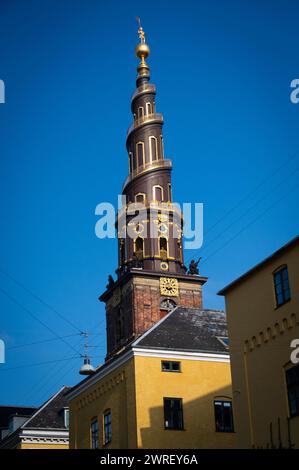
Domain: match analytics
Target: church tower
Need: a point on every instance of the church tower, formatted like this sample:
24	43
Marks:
151	275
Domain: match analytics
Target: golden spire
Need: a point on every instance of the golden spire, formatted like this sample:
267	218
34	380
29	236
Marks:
142	51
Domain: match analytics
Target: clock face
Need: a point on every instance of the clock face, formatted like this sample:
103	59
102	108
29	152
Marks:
169	286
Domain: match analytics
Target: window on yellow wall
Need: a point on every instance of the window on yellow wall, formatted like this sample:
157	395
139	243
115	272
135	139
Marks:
223	416
107	425
173	413
171	366
281	285
292	380
94	431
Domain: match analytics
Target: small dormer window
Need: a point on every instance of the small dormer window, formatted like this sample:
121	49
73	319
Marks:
66	417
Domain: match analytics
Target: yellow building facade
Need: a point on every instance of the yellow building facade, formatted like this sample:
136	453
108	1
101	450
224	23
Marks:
263	320
134	386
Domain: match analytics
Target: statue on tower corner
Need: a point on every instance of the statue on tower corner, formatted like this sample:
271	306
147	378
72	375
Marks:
111	282
193	266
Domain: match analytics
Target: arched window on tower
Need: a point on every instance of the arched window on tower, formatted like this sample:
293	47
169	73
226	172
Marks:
163	246
140	154
130	162
139	248
158	193
148	109
140	197
153	148
140	112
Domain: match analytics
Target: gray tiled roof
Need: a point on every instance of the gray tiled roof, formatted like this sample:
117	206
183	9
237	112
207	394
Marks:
188	329
50	415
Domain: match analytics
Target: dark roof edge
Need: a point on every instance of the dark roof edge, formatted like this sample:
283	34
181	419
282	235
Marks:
44	405
258	266
183	350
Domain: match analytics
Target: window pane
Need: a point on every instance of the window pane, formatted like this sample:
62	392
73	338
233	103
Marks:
284	274
292	380
278	288
223	416
287	295
140	154
171	366
153	144
279	299
158	194
94	435
173	413
281	283
107	428
218	416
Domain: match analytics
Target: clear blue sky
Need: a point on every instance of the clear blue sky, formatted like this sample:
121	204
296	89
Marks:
222	70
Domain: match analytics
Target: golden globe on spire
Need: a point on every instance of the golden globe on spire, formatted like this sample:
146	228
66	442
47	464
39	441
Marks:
142	49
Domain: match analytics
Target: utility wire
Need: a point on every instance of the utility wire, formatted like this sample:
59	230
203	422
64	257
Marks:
256	188
248	225
38	363
54	361
37	319
19	346
250	208
37	297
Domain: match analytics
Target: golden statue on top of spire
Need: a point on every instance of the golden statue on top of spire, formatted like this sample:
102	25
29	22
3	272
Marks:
142	50
141	33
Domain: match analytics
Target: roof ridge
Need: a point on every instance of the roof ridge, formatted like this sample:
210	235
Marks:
202	309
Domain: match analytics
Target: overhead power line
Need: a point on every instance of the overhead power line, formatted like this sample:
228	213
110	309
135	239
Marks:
250	208
252	191
39	299
23	366
37	319
19	346
249	224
